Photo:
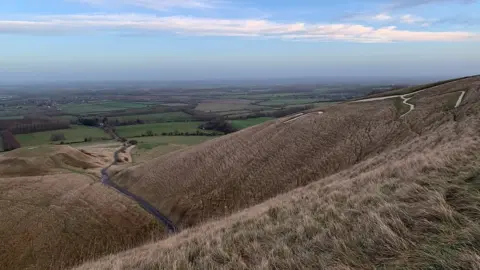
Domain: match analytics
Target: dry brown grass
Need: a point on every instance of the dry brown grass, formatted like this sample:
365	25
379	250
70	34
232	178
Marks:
46	160
230	173
406	194
353	188
415	206
53	218
444	84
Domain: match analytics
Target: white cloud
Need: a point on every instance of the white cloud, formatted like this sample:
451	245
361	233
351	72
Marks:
154	4
382	17
411	19
224	27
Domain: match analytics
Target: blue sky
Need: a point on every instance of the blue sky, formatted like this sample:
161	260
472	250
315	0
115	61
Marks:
235	39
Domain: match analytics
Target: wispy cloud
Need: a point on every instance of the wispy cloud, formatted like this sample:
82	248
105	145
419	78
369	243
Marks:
224	27
387	18
402	4
155	4
382	17
412	19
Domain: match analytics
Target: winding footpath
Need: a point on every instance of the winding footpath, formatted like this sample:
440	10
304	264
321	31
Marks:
139	200
406	98
405	101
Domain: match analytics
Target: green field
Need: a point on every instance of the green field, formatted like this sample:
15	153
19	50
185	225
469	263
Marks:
83	108
174	104
257	96
11	117
73	134
148	143
66	117
19	111
241	124
154	117
224	107
159	128
151	147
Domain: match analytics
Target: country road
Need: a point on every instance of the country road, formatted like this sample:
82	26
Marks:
139	200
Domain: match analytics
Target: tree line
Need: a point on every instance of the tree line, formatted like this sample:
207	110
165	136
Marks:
24	126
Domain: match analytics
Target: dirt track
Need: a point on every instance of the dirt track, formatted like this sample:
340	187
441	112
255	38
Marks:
406	98
405	101
459	101
140	201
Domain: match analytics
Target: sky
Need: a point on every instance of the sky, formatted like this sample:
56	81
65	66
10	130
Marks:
58	40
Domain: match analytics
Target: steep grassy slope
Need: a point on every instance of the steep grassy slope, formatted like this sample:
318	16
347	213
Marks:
414	205
240	170
232	172
54	214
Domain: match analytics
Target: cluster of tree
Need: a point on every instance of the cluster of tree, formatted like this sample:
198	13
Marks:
9	142
149	133
91	122
218	124
186	133
117	122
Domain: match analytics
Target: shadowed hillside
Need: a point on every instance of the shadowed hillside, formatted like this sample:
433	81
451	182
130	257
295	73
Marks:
55	214
414	205
230	173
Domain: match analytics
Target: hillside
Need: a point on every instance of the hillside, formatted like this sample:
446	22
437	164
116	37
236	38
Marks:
232	172
55	213
405	194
